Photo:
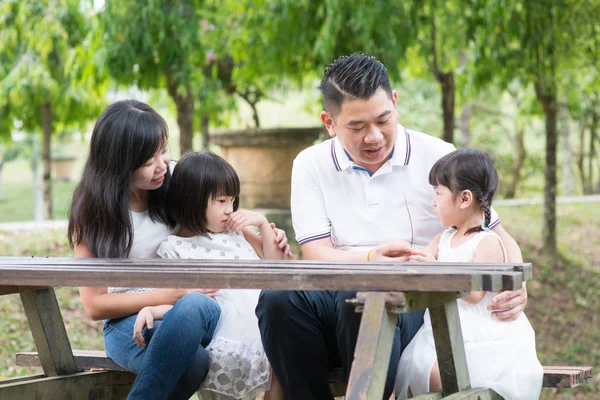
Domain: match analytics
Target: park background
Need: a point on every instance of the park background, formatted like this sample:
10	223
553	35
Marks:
516	78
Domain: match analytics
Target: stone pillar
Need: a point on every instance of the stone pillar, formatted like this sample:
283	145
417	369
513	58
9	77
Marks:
263	160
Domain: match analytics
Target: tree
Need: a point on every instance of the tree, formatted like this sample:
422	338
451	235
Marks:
535	41
273	43
39	43
157	44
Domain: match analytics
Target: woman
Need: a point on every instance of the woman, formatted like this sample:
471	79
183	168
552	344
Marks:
118	210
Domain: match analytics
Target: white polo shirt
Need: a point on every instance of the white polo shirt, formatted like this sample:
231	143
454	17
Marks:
334	197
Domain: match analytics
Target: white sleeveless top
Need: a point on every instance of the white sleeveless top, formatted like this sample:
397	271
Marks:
500	354
147	236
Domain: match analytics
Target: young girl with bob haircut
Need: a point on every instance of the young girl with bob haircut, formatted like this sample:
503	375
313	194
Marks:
119	210
203	199
500	355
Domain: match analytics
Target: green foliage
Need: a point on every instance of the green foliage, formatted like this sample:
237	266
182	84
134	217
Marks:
39	43
145	40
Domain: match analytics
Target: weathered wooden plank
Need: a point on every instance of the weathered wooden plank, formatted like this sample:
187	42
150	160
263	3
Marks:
406	279
17	289
373	347
48	330
567	376
84	359
102	385
449	347
429	396
18	379
475	394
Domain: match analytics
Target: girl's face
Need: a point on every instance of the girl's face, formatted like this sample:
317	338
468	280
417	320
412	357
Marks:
447	206
217	212
151	175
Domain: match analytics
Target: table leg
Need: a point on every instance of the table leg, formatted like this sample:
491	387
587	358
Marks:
373	348
49	333
450	347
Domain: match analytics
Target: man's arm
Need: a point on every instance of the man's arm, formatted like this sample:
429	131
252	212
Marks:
322	249
508	305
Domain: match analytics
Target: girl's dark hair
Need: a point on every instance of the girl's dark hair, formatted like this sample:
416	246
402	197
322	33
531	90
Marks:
127	134
198	178
357	76
468	169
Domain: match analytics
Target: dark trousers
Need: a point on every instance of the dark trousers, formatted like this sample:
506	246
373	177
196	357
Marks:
305	333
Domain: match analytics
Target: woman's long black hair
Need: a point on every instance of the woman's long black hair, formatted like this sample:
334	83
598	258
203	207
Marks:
127	134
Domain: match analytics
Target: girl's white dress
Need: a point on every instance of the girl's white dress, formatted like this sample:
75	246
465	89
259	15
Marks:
500	355
238	368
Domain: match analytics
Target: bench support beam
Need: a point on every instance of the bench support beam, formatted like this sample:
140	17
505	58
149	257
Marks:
49	333
102	385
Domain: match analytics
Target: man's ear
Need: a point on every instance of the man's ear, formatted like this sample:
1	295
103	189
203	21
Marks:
328	122
466	199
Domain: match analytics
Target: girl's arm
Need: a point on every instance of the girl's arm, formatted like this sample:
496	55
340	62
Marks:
146	317
489	250
427	254
267	248
99	304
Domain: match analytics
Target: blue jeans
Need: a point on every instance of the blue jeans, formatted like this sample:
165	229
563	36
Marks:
174	363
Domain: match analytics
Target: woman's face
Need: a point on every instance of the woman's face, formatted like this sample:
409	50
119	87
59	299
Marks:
151	175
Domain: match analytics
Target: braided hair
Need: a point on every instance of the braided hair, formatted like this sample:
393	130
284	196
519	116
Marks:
468	169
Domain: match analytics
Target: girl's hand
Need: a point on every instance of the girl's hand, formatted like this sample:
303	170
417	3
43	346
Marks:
282	241
420	256
240	219
144	318
395	250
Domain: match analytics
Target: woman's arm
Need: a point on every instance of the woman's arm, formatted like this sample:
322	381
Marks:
99	304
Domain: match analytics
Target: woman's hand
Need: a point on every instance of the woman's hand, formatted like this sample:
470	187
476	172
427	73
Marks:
282	241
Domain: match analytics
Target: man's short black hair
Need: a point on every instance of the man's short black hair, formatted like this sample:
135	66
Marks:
197	179
357	76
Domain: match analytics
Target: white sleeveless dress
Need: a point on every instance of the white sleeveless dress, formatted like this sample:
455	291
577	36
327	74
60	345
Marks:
500	355
238	368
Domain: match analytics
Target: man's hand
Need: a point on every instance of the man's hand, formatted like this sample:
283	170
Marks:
396	250
508	305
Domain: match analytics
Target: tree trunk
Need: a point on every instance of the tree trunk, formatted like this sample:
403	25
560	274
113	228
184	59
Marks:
581	159
38	198
465	126
592	155
46	154
446	80
185	114
568	173
1	166
519	143
549	104
204	130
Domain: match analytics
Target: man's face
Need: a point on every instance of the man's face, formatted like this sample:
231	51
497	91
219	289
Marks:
366	128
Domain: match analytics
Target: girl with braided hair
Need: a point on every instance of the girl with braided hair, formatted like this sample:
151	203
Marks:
500	355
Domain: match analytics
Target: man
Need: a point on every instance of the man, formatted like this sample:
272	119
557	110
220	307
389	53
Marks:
353	197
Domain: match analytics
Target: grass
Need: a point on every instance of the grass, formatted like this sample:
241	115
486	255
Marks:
563	298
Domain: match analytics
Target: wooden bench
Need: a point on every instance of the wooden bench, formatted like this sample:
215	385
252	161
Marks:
554	376
435	286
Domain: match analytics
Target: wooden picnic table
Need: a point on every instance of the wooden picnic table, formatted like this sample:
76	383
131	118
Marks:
385	290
